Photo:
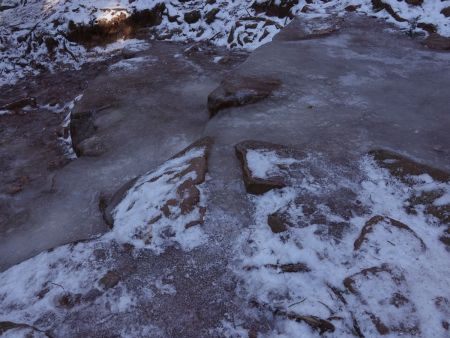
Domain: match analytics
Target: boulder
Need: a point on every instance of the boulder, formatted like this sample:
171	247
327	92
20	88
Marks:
81	128
92	146
239	91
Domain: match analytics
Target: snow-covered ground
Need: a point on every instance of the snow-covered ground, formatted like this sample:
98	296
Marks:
33	33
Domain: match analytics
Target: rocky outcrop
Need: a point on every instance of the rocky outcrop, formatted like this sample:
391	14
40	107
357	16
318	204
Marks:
239	91
179	204
104	31
81	128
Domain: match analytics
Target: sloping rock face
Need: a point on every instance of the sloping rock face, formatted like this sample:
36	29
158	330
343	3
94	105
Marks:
240	91
163	202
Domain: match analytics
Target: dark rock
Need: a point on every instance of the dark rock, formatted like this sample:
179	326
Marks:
211	15
414	2
289	268
352	8
446	11
68	300
379	5
92	146
110	279
91	295
192	17
375	221
278	222
428	27
438	42
306	9
281	9
240	91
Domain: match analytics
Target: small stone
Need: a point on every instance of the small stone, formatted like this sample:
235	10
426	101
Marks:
277	223
192	17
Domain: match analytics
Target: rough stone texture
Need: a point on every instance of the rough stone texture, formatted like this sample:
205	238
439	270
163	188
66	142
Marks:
256	185
239	91
438	42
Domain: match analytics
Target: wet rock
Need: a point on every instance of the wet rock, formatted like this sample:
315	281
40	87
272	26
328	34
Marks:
92	146
240	91
280	8
403	167
389	311
211	15
446	11
81	128
438	42
192	17
275	180
379	5
19	104
380	221
110	279
102	32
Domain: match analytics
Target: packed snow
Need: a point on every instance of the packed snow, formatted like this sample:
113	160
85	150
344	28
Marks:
33	34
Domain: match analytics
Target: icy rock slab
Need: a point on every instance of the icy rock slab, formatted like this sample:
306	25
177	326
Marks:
164	202
266	166
240	91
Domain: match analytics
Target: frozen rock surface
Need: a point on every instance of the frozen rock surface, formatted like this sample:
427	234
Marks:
352	242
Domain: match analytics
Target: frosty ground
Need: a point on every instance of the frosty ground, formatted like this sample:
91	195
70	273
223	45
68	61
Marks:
188	189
